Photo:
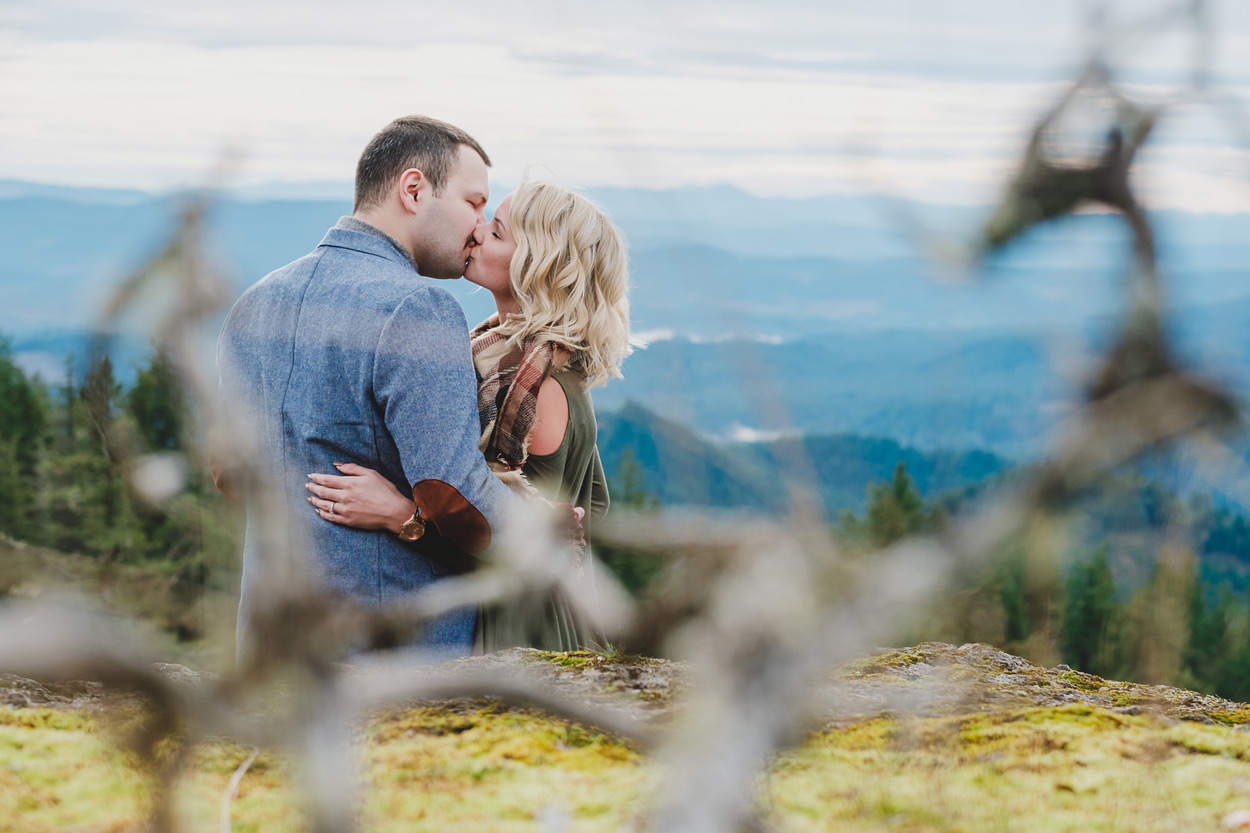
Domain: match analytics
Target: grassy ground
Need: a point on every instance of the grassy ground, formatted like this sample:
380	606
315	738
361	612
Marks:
1069	768
1050	769
425	769
1003	745
182	621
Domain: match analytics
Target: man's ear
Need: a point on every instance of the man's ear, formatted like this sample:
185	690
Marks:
413	188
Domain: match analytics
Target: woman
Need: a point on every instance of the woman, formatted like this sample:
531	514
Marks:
557	269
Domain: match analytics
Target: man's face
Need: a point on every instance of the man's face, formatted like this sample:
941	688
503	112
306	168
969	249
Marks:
445	229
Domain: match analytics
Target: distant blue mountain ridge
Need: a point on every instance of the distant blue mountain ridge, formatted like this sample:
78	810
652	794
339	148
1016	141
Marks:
766	315
679	467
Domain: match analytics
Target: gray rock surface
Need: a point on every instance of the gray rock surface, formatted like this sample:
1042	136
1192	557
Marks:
929	679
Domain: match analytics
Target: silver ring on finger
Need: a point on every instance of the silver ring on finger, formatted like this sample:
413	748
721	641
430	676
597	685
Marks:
332	507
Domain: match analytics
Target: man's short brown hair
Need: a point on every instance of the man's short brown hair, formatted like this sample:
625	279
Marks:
429	145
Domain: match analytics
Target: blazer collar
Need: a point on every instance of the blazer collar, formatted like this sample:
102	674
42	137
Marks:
343	237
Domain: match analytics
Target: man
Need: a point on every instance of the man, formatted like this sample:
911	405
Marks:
348	355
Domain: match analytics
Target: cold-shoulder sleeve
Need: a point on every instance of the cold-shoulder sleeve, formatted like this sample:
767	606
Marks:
573	473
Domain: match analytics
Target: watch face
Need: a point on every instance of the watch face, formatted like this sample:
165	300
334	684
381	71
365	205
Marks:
412	529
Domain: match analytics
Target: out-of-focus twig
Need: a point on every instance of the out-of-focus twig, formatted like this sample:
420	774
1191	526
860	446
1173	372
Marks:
761	609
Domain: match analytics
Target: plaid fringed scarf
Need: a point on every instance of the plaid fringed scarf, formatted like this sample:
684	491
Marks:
508	379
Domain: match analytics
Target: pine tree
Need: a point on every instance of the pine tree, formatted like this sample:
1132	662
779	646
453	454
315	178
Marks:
1159	619
1233	676
630	488
633	568
158	402
23	414
1013	581
100	395
23	435
1206	653
895	509
70	405
1087	641
16	493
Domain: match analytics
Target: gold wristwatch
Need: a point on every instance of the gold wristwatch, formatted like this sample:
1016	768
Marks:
413	528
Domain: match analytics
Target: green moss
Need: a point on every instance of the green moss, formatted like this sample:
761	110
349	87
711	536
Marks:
42	718
479	765
1121	698
569	659
57	770
581	659
1085	716
499	772
493	732
1061	769
1231	717
867	735
888	663
1085	682
964	674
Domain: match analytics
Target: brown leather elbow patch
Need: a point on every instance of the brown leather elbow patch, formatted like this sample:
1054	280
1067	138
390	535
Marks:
456	519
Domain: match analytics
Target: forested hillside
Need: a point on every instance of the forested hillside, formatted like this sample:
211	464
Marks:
1133	581
680	467
1103	592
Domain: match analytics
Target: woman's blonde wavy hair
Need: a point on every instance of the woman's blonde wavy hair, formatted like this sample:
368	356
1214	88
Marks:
570	277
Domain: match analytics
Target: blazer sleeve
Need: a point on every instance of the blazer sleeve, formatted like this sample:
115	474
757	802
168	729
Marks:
426	391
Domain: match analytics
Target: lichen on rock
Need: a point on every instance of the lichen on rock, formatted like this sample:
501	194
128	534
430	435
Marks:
929	737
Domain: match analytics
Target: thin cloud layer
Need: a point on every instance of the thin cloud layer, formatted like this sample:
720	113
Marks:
911	98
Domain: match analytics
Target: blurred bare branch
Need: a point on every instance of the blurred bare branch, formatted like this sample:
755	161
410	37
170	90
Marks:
761	609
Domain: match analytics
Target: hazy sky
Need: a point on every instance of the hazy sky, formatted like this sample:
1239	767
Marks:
923	98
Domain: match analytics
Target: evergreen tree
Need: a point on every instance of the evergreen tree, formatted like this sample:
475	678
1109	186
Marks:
1208	647
70	404
16	494
1087	639
1013	584
100	394
630	488
1159	619
23	435
159	404
895	510
1233	675
635	569
23	414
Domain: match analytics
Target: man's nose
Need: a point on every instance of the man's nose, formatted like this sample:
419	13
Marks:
479	234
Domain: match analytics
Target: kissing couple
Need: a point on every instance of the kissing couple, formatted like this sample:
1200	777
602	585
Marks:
397	441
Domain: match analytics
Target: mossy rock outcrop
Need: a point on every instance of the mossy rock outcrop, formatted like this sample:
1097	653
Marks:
932	737
934	679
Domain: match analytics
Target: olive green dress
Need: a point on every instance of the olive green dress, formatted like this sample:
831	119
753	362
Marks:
572	474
